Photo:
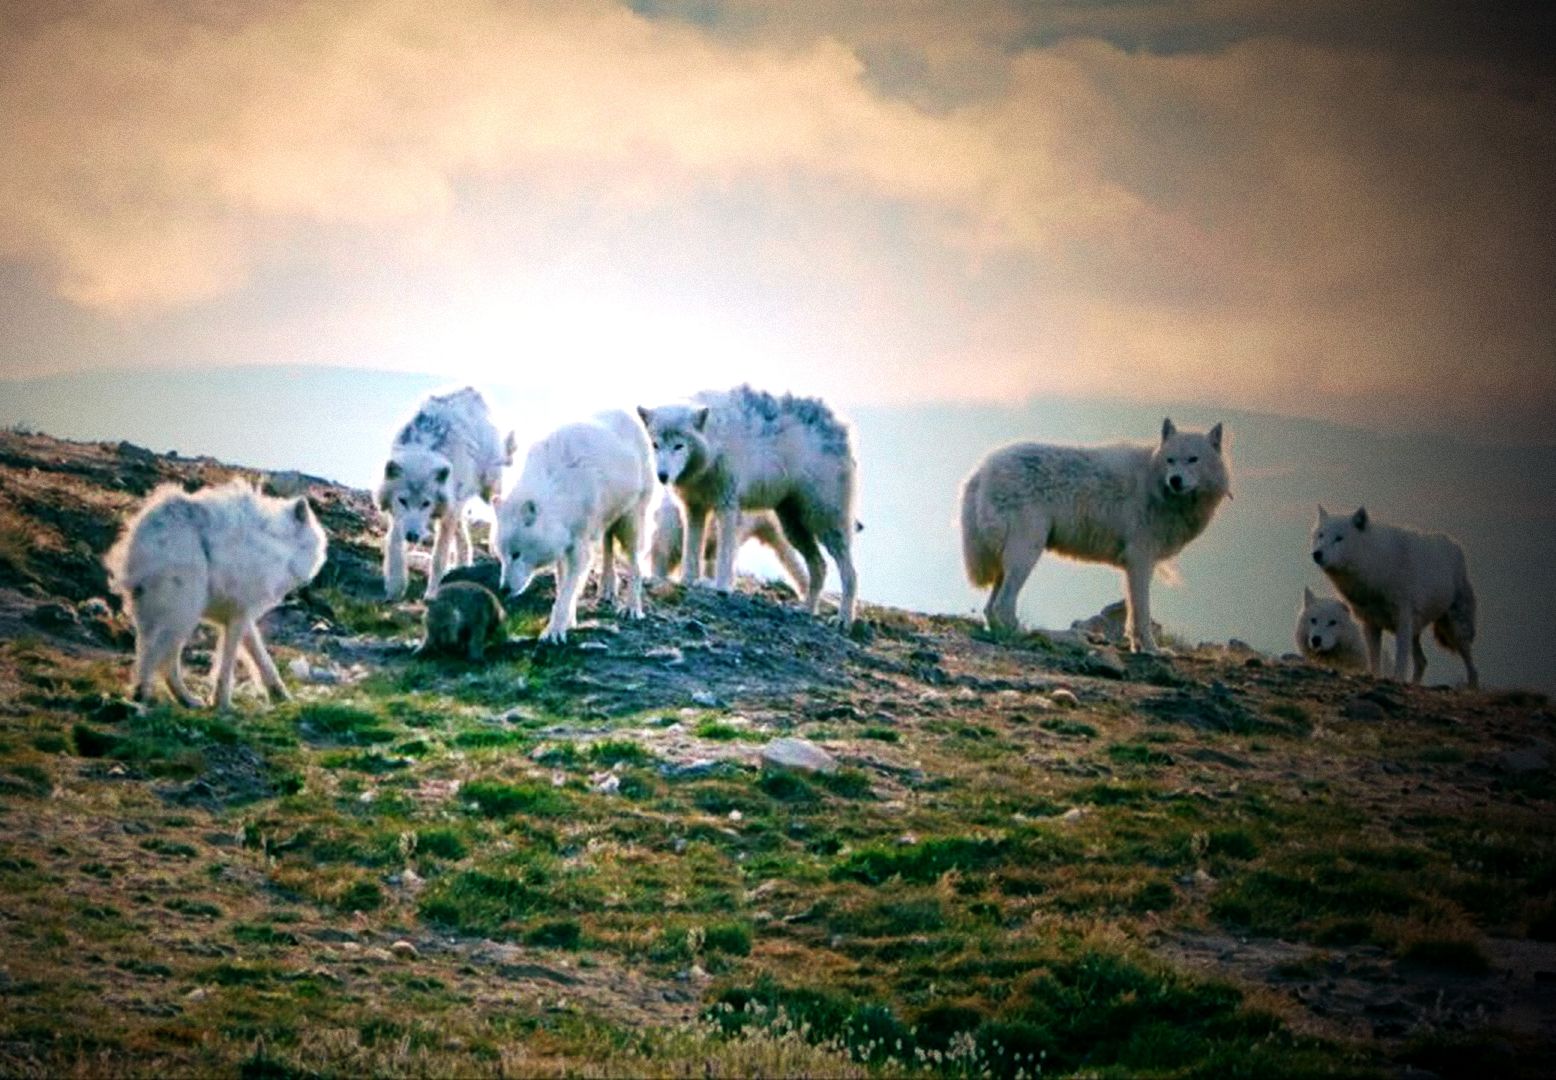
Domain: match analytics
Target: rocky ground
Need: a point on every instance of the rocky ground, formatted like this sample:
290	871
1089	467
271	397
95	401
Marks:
729	839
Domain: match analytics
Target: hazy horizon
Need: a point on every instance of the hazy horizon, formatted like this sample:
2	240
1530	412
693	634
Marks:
1242	579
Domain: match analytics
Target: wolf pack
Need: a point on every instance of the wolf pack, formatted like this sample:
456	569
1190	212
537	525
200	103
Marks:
727	467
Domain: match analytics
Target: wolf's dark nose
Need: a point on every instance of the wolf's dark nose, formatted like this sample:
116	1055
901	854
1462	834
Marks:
413	537
1316	641
664	478
1318	557
1175	482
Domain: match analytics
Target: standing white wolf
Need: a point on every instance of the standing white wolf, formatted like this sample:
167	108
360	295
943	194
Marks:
447	454
1326	633
759	525
1127	506
1402	581
582	483
225	554
743	449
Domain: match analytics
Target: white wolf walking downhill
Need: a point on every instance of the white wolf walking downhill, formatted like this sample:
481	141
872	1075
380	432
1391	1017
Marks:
447	454
225	554
1127	506
743	449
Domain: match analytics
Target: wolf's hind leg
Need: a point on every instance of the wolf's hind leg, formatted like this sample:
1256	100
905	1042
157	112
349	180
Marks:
175	681
1137	575
1017	560
836	542
227	658
264	666
1420	661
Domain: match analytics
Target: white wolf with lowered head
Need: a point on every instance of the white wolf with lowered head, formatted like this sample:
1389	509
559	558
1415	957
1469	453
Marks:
1126	506
581	484
743	449
225	554
1327	635
1402	581
759	525
447	454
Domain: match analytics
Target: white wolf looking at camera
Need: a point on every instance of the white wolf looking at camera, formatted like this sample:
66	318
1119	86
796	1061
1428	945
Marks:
582	484
729	451
226	555
1127	506
449	453
1327	635
1402	581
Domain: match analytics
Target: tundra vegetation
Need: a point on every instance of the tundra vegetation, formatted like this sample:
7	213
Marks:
1035	855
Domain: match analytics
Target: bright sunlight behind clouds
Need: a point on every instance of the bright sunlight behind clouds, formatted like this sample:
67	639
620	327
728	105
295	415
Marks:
1328	211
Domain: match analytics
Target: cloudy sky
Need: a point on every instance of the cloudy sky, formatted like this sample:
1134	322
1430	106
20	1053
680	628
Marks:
1326	208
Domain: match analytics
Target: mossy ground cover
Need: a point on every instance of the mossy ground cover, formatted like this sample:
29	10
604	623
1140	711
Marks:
513	868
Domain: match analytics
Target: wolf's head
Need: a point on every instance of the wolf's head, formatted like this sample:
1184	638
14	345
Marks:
294	521
1188	463
1322	623
1335	537
528	535
680	446
415	489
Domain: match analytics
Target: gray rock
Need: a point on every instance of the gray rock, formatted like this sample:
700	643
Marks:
801	754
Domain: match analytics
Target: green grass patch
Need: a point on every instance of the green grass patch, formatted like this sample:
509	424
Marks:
493	798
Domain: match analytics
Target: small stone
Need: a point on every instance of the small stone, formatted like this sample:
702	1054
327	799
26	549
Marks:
704	698
404	950
199	993
299	668
1064	698
593	646
609	786
736	815
668	653
1074	813
382	955
801	754
1525	760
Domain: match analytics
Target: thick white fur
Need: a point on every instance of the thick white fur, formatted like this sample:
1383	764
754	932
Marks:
1402	581
1127	506
581	484
225	554
447	454
1327	635
743	449
759	525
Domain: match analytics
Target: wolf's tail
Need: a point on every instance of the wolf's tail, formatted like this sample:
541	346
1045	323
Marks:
1457	626
980	555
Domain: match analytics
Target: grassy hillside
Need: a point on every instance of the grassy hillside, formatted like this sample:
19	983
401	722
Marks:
1033	856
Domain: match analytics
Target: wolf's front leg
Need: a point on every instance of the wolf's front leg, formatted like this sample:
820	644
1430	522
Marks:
729	545
464	550
394	565
696	539
564	611
1406	631
1372	635
269	677
448	527
1137	575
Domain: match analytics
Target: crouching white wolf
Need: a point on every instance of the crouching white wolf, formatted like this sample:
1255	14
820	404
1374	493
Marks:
743	449
580	484
225	554
447	454
759	525
1326	633
1402	581
1127	506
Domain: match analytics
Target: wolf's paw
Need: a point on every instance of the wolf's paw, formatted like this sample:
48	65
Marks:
554	635
279	693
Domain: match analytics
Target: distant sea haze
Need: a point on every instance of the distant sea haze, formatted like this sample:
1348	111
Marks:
1242	579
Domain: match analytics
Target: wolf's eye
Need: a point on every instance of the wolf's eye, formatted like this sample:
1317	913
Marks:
1331	622
426	503
1172	461
656	444
1192	460
401	501
678	447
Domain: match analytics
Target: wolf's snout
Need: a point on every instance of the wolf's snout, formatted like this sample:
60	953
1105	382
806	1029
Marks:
413	536
664	477
1316	641
1318	557
1175	482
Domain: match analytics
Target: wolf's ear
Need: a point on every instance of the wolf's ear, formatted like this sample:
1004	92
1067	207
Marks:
1214	435
441	476
496	500
1307	596
1169	429
300	510
392	470
528	511
700	417
510	447
1323	515
381	498
1359	519
645	415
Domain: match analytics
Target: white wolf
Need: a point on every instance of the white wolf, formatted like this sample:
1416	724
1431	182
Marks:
1402	581
582	483
1127	506
1326	633
225	554
447	454
743	449
759	525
